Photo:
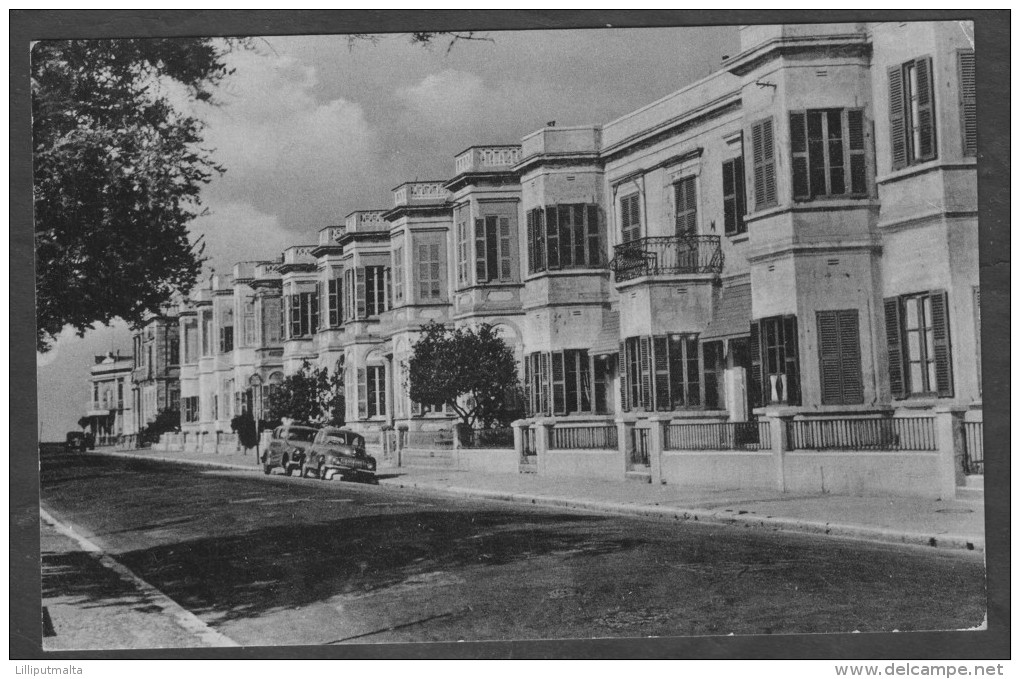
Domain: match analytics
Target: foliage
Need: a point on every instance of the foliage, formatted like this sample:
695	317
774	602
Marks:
83	422
472	369
117	174
315	396
167	420
425	39
244	426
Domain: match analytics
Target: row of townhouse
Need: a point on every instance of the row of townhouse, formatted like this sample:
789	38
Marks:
795	234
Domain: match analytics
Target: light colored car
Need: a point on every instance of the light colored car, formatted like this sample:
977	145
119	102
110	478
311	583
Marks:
288	448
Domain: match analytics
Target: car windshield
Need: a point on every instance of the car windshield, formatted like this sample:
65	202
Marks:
344	438
304	435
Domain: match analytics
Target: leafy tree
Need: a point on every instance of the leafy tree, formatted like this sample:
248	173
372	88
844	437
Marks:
83	422
167	420
117	174
472	369
315	396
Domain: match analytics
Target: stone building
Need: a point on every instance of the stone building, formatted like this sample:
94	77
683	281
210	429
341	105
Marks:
155	379
792	238
108	407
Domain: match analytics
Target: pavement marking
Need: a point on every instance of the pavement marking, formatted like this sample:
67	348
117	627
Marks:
183	617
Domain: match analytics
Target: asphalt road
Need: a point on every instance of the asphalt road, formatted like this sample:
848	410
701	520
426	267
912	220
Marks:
279	560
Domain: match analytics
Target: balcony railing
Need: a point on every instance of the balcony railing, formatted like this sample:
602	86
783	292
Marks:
663	255
900	433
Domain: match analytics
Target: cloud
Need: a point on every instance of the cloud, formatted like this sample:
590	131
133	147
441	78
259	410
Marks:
447	100
237	232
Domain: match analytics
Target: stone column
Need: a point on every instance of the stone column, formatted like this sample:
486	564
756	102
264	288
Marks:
519	426
657	445
543	439
625	441
777	433
949	441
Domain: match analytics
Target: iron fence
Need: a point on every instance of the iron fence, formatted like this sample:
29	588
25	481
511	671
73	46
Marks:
639	447
590	437
528	436
667	255
495	437
973	448
719	436
900	433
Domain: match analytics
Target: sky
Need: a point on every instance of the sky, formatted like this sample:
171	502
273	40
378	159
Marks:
311	128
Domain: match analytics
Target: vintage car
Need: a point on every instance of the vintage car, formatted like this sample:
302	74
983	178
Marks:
340	451
76	441
288	448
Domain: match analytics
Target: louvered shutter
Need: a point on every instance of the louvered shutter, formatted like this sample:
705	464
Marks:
893	340
528	386
968	102
552	237
530	226
897	119
660	349
492	247
314	303
940	335
388	295
792	367
926	109
850	355
544	395
559	384
645	355
360	292
624	385
858	159
594	245
729	183
755	381
334	302
685	197
565	217
362	394
763	154
481	270
505	250
539	239
435	272
799	151
839	357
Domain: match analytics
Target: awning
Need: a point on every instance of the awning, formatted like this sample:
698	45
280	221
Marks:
608	340
732	317
97	413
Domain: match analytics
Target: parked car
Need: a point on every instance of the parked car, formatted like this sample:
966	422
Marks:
288	448
340	451
75	441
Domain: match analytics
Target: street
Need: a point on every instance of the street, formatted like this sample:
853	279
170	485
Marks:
280	560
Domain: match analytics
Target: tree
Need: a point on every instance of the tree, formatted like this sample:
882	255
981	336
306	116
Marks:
117	174
471	369
83	422
310	395
167	419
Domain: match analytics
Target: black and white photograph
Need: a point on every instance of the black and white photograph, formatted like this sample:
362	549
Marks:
510	329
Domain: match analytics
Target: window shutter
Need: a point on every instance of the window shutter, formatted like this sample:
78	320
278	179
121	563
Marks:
897	119
660	348
829	358
968	102
334	302
505	261
799	150
792	360
362	394
359	292
940	333
564	216
645	352
893	343
763	153
755	382
388	293
624	386
435	272
580	236
528	386
850	355
559	384
858	160
531	240
594	247
926	110
539	239
685	196
315	305
729	197
481	271
552	237
544	395
423	268
492	247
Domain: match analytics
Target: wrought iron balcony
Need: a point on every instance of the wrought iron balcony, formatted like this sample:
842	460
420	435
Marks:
667	255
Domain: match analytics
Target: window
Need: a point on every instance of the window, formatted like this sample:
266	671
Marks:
660	373
569	381
174	350
248	310
839	357
149	366
764	164
685	200
462	248
333	297
272	320
226	329
371	391
775	367
734	202
630	217
714	362
215	407
303	310
207	333
828	153
912	113
430	279
190	408
968	102
190	341
377	289
917	337
564	236
492	249
398	274
175	400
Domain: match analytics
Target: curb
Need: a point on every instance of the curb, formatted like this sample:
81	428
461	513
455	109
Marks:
700	515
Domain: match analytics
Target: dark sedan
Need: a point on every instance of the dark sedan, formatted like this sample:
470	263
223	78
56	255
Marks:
340	451
288	449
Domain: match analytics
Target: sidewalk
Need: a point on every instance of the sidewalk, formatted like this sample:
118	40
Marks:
943	524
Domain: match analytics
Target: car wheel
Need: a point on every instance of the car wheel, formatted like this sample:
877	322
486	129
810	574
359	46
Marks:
322	473
287	469
267	469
